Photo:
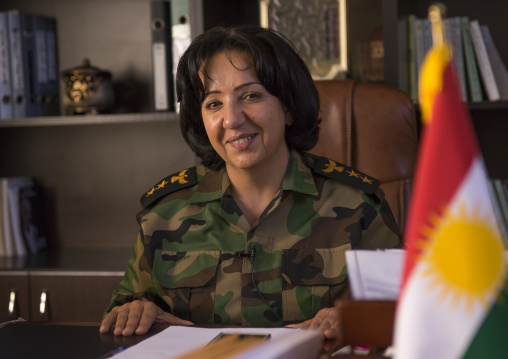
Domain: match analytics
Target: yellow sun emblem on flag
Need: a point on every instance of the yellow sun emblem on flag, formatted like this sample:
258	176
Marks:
464	258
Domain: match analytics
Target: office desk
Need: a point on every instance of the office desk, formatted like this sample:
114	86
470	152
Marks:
25	340
40	340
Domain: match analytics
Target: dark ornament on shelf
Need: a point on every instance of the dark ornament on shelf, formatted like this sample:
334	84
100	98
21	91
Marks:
88	90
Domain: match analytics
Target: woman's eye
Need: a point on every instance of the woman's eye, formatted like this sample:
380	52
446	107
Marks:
252	96
213	104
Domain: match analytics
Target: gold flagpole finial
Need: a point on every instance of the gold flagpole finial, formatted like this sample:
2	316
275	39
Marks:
437	12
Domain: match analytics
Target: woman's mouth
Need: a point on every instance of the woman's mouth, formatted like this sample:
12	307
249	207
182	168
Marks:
242	140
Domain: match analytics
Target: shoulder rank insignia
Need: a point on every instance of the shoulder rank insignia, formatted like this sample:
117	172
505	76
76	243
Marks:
170	184
331	169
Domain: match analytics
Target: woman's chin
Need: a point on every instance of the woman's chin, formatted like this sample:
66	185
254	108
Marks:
243	162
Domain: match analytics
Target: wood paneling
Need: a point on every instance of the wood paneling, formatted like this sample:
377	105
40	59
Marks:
72	297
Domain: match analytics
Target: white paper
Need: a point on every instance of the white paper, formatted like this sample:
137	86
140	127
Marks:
375	274
178	340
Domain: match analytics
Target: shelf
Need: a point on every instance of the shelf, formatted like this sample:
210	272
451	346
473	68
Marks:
484	105
90	119
488	105
106	260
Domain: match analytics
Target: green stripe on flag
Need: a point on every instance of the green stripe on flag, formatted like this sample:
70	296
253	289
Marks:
491	341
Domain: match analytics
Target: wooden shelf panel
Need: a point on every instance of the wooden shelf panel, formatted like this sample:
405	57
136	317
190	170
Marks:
90	119
69	261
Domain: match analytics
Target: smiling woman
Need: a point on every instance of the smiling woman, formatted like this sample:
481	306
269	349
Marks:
244	122
256	235
276	66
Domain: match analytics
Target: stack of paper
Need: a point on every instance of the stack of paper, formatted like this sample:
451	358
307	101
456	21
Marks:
375	275
176	341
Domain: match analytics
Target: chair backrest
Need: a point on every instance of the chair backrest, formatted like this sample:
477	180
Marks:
372	128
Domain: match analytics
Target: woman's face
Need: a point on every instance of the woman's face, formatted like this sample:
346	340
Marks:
244	122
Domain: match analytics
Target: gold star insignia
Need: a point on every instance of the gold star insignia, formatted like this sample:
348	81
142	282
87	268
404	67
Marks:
162	184
332	166
352	173
180	178
366	179
149	193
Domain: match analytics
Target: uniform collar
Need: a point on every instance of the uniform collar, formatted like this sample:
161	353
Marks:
298	177
214	184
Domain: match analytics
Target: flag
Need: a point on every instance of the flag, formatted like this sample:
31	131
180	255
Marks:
453	301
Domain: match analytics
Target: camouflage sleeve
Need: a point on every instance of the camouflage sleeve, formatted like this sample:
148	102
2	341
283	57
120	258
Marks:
137	282
383	231
378	230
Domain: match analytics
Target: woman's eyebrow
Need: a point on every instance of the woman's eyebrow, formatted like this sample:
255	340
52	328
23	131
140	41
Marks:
235	89
246	84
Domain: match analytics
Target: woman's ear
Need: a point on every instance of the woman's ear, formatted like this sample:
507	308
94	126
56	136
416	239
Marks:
288	119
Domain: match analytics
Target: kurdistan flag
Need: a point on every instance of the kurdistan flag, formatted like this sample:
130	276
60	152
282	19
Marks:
454	293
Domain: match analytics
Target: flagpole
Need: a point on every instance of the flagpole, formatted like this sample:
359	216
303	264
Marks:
437	12
442	53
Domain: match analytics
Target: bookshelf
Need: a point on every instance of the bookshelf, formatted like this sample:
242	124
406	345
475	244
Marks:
96	167
490	12
490	119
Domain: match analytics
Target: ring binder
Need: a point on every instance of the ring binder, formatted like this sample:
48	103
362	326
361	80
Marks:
6	109
162	55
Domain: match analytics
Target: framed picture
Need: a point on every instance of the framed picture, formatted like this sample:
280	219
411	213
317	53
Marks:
317	28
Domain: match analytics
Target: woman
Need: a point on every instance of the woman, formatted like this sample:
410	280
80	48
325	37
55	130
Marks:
256	235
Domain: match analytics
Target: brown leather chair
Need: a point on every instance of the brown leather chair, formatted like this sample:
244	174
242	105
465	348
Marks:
372	128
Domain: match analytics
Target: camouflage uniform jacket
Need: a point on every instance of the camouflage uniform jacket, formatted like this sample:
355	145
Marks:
193	253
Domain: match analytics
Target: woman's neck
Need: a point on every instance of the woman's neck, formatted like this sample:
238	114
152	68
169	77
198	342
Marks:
254	188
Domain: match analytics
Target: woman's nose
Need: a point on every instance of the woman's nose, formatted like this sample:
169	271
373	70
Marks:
233	115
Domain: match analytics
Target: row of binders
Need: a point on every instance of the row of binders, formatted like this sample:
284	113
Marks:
481	72
23	227
29	81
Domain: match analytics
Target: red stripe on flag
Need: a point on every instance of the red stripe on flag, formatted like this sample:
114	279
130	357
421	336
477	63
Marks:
447	151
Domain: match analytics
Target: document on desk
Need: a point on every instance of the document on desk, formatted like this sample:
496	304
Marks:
177	340
375	274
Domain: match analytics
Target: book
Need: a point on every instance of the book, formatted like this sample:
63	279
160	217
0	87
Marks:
486	72
39	65
473	77
162	59
454	38
53	94
420	50
6	106
14	185
427	36
16	62
6	228
45	66
2	241
502	188
412	58
499	197
28	48
402	55
498	67
32	218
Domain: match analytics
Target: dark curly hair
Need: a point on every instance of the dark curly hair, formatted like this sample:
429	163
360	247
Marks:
279	69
